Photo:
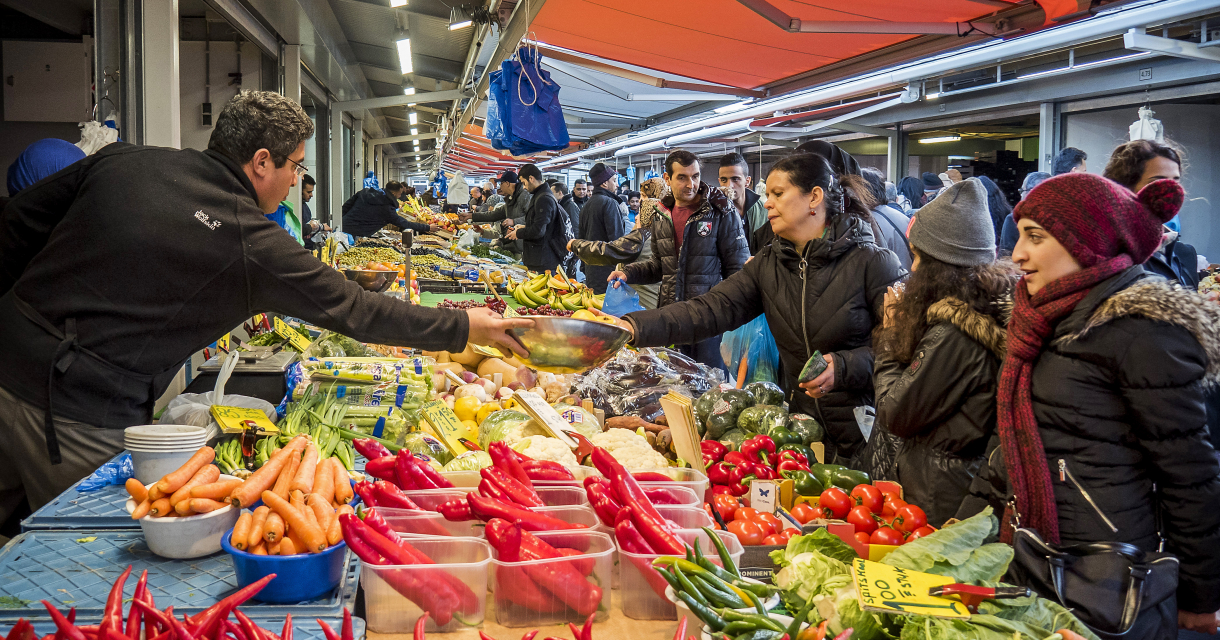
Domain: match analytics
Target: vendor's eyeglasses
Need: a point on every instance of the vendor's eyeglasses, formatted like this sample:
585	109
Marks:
300	170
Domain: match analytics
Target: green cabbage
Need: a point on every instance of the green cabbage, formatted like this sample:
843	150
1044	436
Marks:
806	574
582	421
504	426
469	461
822	541
423	444
957	551
842	612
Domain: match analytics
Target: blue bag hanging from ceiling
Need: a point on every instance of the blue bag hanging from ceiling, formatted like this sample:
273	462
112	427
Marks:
523	114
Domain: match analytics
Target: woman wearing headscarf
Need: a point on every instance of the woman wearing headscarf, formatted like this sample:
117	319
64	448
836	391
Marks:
1101	397
910	194
633	247
38	161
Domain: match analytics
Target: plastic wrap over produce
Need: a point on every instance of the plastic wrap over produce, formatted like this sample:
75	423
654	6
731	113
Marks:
633	382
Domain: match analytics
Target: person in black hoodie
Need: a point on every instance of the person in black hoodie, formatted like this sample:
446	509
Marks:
601	220
567	202
545	230
368	210
821	285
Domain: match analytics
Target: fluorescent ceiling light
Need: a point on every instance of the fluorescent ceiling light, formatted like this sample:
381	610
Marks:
398	3
409	91
404	55
413	118
939	139
931	96
414	131
454	26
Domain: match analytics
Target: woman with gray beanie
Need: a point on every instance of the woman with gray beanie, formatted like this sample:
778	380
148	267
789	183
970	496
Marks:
939	349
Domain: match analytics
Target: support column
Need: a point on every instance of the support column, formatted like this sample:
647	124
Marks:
336	168
1049	135
290	67
896	155
162	100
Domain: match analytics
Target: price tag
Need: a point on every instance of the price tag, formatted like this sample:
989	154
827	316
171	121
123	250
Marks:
447	427
881	587
224	342
764	495
231	419
546	415
298	341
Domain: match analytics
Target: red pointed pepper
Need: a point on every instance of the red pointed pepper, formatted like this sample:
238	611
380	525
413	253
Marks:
487	508
655	531
511	487
547	471
435	476
559	578
651	476
23	630
456	510
61	623
409	472
327	630
370	448
286	633
383	469
660	495
505	459
347	633
419	627
624	486
487	488
603	504
388	495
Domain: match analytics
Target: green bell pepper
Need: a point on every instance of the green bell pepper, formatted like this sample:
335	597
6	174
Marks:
825	473
847	479
803	482
782	436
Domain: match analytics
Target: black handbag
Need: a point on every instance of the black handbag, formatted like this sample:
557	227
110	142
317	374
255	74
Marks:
1116	589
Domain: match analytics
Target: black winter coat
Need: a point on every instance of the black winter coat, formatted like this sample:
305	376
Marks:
942	406
568	204
368	210
828	300
713	248
545	234
601	220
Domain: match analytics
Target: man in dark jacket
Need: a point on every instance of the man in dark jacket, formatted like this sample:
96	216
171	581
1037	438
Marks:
735	174
697	241
601	220
581	192
368	210
544	229
116	269
567	202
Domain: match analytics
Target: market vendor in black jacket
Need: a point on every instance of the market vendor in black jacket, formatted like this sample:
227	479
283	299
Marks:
821	286
116	269
602	219
545	229
368	210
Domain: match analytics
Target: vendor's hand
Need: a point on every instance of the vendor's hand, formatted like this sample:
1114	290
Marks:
615	277
464	217
433	228
489	328
891	303
1069	635
619	322
1200	622
326	227
823	384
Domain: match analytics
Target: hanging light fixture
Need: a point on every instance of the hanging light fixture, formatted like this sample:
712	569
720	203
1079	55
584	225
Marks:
936	139
404	56
413	118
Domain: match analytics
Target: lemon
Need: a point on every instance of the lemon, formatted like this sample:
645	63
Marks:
584	314
466	408
470	424
486	410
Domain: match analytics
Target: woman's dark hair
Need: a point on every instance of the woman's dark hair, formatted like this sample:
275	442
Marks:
997	203
844	194
1126	165
983	288
912	188
394	185
876	183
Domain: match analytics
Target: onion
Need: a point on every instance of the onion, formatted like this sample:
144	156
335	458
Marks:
527	377
469	376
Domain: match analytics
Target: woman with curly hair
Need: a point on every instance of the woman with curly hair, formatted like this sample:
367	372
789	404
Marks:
939	350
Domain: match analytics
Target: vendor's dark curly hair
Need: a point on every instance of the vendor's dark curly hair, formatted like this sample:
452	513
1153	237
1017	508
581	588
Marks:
1126	165
844	194
984	288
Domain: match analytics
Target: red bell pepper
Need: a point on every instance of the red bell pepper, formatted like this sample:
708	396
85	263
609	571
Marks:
735	457
370	448
512	488
651	476
721	473
408	471
789	454
456	510
505	459
383	469
791	465
604	505
624	486
712	449
757	449
365	491
388	495
485	509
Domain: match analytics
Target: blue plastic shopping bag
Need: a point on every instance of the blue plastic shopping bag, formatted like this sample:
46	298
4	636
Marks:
621	300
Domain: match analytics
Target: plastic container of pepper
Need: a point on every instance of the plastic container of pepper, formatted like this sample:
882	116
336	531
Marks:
579	474
388	611
684	477
575	514
432	499
522	602
643	589
686	517
412	522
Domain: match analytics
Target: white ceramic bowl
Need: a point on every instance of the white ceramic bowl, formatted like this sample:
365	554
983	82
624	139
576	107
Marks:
189	537
151	466
170	431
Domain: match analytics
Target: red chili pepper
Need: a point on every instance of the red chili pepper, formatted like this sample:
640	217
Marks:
152	629
233	630
409	472
286	633
487	508
656	533
530	635
383	469
253	631
456	510
651	476
490	490
419	627
543	474
23	630
660	495
531	464
682	629
629	537
327	630
180	631
586	632
511	487
603	504
206	622
624	486
360	548
374	520
133	616
367	495
505	459
370	449
348	634
58	635
559	578
152	613
388	495
112	615
435	476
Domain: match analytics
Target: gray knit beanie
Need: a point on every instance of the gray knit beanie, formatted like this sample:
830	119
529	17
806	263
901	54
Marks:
955	227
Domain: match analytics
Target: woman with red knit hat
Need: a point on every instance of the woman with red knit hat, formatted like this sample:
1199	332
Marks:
1101	414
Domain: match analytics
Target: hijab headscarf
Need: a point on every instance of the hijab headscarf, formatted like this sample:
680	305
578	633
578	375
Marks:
39	160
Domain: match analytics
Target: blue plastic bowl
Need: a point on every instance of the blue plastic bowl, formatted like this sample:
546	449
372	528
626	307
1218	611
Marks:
298	578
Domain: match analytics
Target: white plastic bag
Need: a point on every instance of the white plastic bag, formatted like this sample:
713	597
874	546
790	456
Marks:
195	409
1147	127
95	135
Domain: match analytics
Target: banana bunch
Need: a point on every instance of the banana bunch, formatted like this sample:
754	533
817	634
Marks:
555	290
228	456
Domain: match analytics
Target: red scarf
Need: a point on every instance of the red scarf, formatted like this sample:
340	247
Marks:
1032	323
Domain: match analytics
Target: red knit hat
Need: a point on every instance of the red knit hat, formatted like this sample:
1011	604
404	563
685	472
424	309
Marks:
1096	219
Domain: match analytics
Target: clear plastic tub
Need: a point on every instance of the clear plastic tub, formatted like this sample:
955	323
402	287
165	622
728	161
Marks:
552	496
643	595
679	495
575	514
685	477
513	605
462	564
410	522
686	517
580	474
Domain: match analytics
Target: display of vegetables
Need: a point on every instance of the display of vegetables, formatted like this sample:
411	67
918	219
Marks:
357	256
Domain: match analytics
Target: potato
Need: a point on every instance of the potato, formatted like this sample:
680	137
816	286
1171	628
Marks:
468	357
495	365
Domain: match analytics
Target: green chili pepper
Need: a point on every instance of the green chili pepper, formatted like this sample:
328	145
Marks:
715	594
689	587
723	551
758	605
709	617
799	618
738	627
671	579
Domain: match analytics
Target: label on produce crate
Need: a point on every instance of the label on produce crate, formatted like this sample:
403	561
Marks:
299	342
447	427
764	495
233	419
881	587
223	343
720	407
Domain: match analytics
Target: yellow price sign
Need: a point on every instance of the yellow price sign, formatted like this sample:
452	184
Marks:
233	419
447	427
881	587
294	337
225	342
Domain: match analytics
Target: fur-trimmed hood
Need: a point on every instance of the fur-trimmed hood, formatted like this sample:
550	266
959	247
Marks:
981	328
1165	302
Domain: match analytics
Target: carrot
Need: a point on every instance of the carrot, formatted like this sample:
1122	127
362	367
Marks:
287	548
241	530
297	545
334	533
183	508
136	490
344	509
258	526
310	534
311	517
274	528
285	478
154	493
303	481
205	505
343	482
219	490
324	480
205	475
260	550
323	512
141	509
174	480
273	549
161	507
261	480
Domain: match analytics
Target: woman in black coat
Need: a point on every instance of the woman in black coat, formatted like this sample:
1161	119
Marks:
821	285
938	355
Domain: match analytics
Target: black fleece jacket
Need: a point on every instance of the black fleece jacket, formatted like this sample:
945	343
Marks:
368	210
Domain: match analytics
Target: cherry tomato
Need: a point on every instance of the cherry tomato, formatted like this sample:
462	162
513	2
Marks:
920	532
835	503
745	513
804	512
775	540
862	518
862	537
891	507
726	505
885	535
869	496
748	533
909	518
775	522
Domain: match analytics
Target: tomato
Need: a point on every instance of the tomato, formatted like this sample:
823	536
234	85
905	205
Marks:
748	533
775	522
804	512
835	503
862	518
775	540
890	494
891	507
885	535
789	533
909	518
920	532
869	496
862	537
726	505
767	528
745	513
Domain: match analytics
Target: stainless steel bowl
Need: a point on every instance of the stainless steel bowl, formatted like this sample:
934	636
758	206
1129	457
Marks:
376	281
568	345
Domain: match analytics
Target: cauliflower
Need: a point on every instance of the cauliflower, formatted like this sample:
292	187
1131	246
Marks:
546	448
630	449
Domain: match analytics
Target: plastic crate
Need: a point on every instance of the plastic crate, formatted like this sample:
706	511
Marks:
598	550
685	477
77	569
464	561
72	509
432	499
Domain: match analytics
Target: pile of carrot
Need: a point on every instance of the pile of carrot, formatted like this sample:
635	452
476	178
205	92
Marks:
193	488
303	498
